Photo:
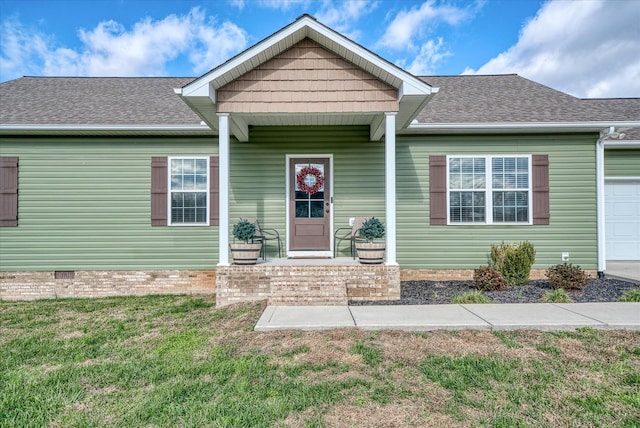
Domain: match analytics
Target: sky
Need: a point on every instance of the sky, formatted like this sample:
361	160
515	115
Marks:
587	48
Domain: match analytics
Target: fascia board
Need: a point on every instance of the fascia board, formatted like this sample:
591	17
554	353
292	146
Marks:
508	127
613	144
105	129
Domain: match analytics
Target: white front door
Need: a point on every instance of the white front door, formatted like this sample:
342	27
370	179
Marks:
622	219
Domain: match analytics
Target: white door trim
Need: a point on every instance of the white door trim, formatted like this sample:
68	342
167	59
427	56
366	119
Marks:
287	192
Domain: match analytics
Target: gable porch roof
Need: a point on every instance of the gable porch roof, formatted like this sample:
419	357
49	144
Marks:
412	92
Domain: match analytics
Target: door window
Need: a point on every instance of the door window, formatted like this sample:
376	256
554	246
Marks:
309	190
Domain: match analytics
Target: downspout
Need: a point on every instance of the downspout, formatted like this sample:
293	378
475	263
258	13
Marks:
600	215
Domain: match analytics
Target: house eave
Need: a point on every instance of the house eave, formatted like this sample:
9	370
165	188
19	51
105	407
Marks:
200	95
511	128
105	130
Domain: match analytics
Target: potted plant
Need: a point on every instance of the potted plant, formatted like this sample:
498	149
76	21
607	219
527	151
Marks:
370	252
247	251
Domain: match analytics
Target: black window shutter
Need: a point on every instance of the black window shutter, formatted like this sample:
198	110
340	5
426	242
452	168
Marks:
8	191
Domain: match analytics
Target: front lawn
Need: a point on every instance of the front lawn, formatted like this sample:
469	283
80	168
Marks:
178	361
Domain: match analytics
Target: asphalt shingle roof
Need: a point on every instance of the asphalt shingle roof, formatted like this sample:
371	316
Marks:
512	98
94	101
152	101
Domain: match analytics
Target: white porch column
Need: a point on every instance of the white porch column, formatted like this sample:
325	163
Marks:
390	184
223	153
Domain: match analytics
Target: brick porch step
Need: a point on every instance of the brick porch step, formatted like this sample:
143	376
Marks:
306	282
307	290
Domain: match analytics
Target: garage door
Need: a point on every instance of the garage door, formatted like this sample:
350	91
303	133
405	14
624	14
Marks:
622	219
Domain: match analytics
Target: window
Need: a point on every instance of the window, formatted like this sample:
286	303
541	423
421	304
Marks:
489	189
189	190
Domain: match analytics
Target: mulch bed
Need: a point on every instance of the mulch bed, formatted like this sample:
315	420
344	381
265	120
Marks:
441	292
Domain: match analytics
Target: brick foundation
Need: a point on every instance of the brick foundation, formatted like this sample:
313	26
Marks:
292	285
43	284
306	285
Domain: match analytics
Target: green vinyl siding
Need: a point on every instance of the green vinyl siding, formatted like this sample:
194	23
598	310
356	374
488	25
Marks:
258	171
572	203
622	163
84	204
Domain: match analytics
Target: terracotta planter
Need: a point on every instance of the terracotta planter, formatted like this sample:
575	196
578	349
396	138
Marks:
370	253
245	254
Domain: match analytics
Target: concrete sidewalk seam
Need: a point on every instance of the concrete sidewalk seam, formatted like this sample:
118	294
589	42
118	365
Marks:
355	323
582	315
489	324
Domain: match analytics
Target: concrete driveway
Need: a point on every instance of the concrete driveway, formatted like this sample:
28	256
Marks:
624	270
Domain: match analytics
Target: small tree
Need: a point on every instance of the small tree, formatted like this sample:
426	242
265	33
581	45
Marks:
372	229
244	231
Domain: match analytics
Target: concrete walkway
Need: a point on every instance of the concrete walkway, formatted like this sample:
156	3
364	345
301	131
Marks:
537	316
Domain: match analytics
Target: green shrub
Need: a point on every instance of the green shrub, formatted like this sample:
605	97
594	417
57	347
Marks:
559	295
514	261
471	297
372	229
488	278
567	276
631	295
244	230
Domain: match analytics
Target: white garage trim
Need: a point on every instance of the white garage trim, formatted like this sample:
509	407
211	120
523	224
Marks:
622	218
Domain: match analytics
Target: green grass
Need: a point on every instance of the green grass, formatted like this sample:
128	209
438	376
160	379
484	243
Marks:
178	361
631	295
558	295
470	297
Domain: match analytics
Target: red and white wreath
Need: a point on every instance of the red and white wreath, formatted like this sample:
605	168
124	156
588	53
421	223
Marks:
309	180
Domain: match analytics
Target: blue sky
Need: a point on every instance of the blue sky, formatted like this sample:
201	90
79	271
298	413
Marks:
588	48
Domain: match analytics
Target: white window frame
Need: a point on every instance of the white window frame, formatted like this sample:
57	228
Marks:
170	191
489	191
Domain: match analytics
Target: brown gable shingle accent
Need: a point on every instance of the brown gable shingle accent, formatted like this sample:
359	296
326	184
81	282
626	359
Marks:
307	78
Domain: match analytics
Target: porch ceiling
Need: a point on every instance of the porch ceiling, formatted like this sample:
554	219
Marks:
413	93
342	119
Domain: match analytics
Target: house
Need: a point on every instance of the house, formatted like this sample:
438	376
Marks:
131	185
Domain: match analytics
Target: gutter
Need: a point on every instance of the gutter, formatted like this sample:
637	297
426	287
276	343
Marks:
200	129
511	127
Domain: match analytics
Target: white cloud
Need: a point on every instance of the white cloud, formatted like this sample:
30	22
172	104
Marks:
216	45
430	56
282	4
110	49
411	25
343	17
237	3
585	48
17	47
